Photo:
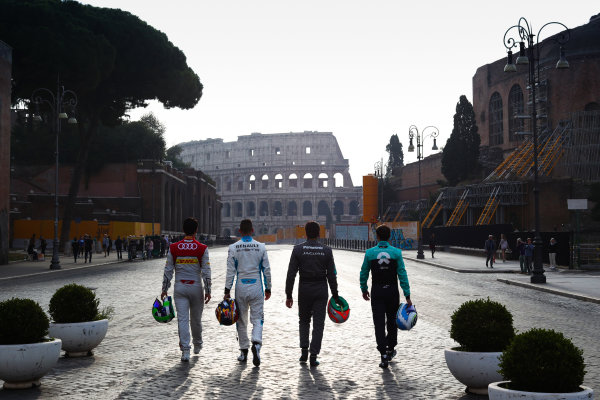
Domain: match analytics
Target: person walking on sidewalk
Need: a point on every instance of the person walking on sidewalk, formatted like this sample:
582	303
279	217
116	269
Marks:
387	267
432	244
75	248
43	245
188	260
105	245
314	262
503	247
88	246
247	260
528	255
521	250
490	251
552	249
119	248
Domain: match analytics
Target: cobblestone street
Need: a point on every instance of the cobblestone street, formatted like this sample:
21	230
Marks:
139	358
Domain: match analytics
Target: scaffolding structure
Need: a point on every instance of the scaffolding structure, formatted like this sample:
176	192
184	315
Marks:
574	142
582	158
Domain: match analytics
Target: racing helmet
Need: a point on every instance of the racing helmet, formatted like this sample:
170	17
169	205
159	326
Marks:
406	317
227	312
163	311
338	314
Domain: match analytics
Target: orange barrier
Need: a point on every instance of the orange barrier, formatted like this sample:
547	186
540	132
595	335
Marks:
23	229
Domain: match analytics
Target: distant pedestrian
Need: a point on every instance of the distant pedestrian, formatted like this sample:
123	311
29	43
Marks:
109	247
432	244
528	255
521	250
149	248
503	246
31	248
490	251
43	245
105	245
552	249
119	248
81	245
88	248
75	248
163	245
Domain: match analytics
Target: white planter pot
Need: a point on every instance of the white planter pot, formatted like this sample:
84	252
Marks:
79	338
22	365
473	369
497	392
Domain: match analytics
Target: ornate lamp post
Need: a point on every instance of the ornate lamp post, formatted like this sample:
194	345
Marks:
529	54
56	103
379	175
413	132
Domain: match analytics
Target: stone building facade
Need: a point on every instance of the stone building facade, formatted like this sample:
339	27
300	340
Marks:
5	92
278	180
408	177
499	98
146	191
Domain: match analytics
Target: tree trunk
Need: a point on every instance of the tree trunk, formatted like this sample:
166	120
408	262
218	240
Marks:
82	156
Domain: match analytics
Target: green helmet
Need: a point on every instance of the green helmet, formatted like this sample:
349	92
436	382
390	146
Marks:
163	312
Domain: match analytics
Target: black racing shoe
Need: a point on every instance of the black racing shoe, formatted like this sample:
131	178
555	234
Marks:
391	354
384	361
313	360
304	356
243	357
256	354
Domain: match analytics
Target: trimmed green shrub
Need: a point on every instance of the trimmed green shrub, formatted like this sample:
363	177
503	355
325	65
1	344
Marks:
73	303
542	360
482	325
23	321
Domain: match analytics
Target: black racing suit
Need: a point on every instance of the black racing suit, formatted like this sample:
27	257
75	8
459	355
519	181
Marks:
314	262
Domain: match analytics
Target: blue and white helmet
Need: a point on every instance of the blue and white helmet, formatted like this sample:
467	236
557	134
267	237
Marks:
406	317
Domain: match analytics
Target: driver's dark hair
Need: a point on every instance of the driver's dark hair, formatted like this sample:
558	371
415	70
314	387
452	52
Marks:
313	229
383	232
190	226
246	226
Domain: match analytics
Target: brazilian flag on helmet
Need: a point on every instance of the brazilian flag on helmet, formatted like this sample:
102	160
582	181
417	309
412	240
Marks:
163	312
338	313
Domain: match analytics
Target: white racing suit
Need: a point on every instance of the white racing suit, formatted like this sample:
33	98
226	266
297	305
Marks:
189	260
247	260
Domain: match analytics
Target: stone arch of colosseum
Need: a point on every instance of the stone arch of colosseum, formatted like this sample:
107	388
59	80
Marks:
278	180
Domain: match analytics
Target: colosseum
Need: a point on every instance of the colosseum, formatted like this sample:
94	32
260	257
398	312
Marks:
278	180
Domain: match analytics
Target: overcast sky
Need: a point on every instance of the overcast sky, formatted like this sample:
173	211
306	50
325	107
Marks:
363	70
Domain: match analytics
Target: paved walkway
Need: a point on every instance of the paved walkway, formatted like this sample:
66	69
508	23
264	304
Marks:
577	284
32	268
581	285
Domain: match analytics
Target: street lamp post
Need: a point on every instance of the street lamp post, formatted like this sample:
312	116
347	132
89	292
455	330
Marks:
57	103
413	132
379	175
529	54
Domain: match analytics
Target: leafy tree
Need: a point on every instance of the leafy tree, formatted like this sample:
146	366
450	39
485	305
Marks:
113	61
461	153
173	154
396	156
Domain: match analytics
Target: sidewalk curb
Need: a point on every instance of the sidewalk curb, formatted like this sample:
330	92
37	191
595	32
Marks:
548	290
60	270
465	271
